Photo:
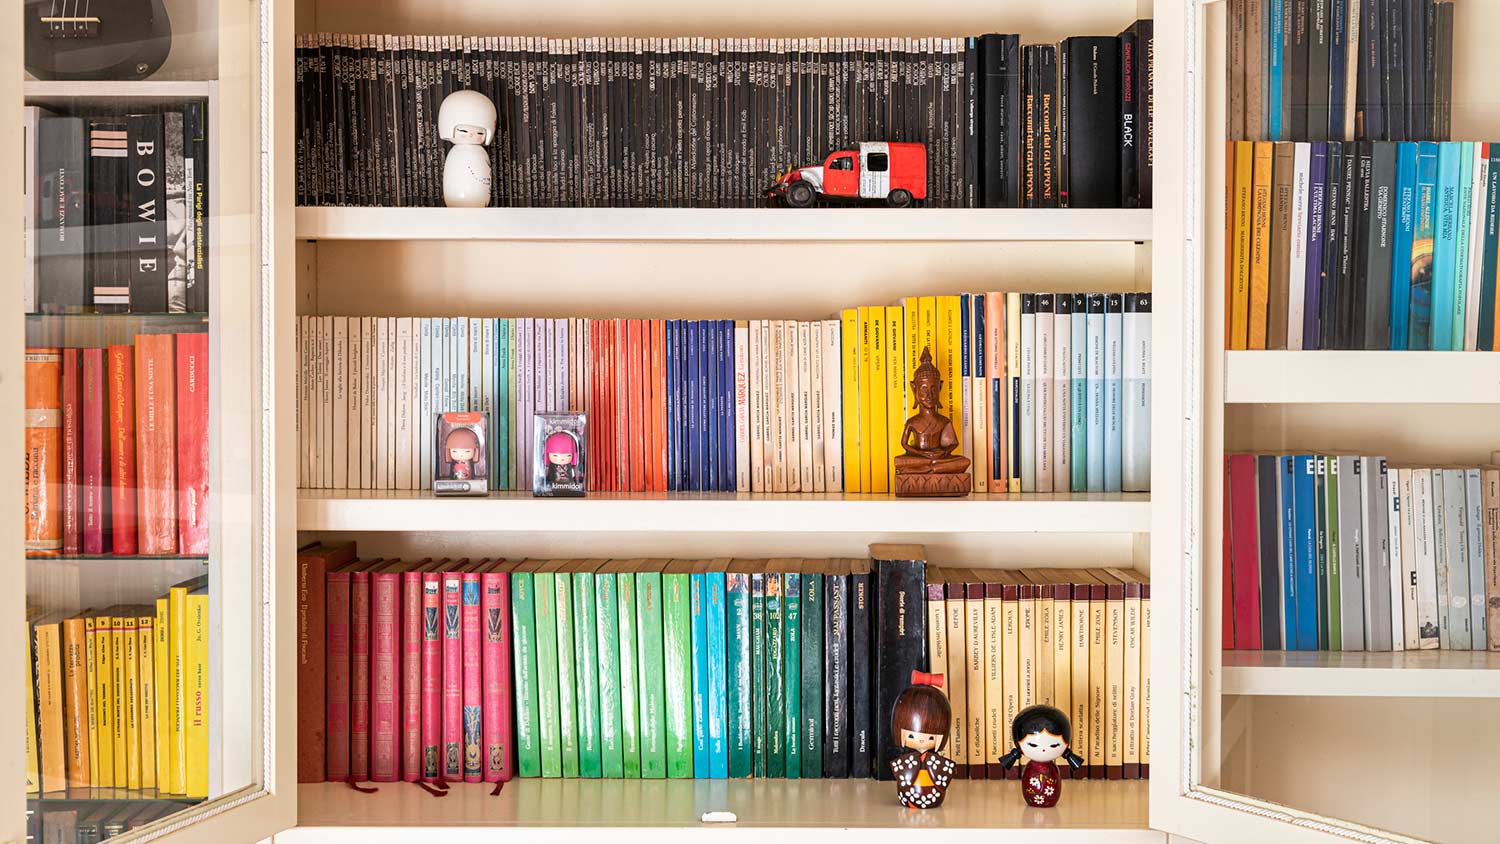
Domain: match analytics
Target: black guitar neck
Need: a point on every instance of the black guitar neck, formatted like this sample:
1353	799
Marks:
96	39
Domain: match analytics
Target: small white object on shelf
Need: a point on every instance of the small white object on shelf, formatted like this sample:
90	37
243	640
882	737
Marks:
720	817
467	120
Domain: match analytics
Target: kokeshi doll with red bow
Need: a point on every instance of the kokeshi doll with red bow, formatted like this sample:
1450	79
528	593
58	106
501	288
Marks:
920	723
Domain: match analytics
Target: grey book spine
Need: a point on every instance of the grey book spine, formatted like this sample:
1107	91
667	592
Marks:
1453	555
1351	555
1474	520
1377	554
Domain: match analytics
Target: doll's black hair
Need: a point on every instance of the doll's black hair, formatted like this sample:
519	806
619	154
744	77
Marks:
1035	719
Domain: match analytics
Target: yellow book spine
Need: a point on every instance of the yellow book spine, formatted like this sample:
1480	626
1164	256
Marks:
849	346
1239	298
1114	690
104	677
146	665
49	704
119	729
948	358
1010	661
927	326
130	643
177	656
895	391
1097	636
1062	652
1026	646
974	645
162	661
33	760
1260	245
1132	665
995	737
911	317
91	658
958	695
197	700
1013	390
879	384
1078	712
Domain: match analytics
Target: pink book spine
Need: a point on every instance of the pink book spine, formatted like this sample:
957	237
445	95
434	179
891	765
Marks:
453	688
411	676
92	474
473	680
72	419
192	444
359	675
385	680
432	675
495	609
337	675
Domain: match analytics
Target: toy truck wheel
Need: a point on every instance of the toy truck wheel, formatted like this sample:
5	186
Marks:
899	198
800	195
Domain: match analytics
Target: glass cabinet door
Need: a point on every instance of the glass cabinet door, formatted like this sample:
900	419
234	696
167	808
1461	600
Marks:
136	364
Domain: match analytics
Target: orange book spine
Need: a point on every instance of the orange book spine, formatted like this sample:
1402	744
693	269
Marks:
658	453
156	444
122	450
76	701
621	385
591	437
44	516
1260	245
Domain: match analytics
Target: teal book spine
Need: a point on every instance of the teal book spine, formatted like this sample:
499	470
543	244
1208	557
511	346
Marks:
630	676
1461	250
775	671
758	744
677	654
607	608
567	673
718	677
699	588
652	676
500	424
811	732
523	641
737	663
1445	247
1078	404
791	654
546	672
586	648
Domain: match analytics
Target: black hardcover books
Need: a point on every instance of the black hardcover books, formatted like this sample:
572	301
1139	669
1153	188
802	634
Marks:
1145	98
197	196
1129	189
147	222
61	272
1046	124
862	736
108	215
1093	114
900	637
836	672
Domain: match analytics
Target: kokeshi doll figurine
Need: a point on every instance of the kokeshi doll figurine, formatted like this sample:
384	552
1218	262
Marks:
920	723
1042	734
467	120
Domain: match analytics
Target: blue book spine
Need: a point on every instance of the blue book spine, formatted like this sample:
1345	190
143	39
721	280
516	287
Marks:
706	471
1317	210
965	334
697	591
1461	254
718	678
711	402
1491	241
1078	404
1445	247
1114	395
670	333
726	405
1096	392
691	453
1423	244
1306	581
1338	64
679	389
1274	62
1288	469
977	369
1405	225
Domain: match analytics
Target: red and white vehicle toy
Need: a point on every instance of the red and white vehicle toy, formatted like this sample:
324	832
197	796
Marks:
893	172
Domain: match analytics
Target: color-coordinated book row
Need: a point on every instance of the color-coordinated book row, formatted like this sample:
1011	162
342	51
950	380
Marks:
117	448
712	122
1365	245
1340	70
1347	553
1047	393
119	697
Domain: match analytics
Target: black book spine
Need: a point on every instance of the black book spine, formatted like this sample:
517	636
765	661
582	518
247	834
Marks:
814	605
1065	74
317	90
1030	157
147	216
62	196
1393	78
176	217
1370	109
1444	52
1295	67
1360	276
1333	204
371	147
1378	246
901	644
836	676
861	711
1130	196
1415	38
109	198
1012	120
1319	49
1145	98
1268	483
973	184
195	178
301	124
1338	66
1427	48
1094	115
1346	241
1047	122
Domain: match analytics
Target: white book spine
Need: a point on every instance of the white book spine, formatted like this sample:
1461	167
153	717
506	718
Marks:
360	440
833	407
385	412
30	117
1474	522
445	392
742	407
315	400
756	436
513	380
1135	424
815	390
804	407
793	407
525	398
473	365
1393	585
545	360
1411	621
1042	391
1114	391
300	333
1297	266
1475	264
1028	393
1062	401
340	402
425	432
326	422
1456	558
404	460
1423	541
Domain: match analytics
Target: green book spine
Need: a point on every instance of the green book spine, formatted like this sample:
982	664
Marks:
1331	502
758	672
791	654
523	640
567	673
607	606
546	672
652	676
677	646
775	673
512	468
1320	510
812	674
630	684
737	661
586	645
501	420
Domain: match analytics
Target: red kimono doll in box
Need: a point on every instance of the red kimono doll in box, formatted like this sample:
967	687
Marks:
1042	735
920	723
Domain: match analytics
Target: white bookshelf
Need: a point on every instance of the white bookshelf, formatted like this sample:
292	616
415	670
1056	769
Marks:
1348	377
1410	674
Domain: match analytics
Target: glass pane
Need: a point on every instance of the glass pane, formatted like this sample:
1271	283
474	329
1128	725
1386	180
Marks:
1353	548
141	285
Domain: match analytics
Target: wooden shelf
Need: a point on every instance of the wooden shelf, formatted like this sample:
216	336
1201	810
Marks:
727	224
362	510
1361	674
1089	811
1334	377
59	93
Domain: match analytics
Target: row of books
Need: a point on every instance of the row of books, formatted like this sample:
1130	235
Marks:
1368	245
92	823
117	211
117	448
119	697
1340	70
1047	393
1325	552
706	669
711	122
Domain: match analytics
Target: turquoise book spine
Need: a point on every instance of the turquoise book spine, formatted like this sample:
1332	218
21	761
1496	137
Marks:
586	647
652	677
1445	263
630	677
567	673
699	588
607	607
775	672
791	654
811	731
677	650
737	663
718	678
758	743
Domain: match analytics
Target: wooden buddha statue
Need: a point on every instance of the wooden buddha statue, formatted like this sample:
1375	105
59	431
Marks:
928	466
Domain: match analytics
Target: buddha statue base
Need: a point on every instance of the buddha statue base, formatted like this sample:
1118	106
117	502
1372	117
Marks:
934	486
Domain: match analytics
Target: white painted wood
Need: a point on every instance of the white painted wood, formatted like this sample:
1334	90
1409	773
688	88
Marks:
1339	377
1411	674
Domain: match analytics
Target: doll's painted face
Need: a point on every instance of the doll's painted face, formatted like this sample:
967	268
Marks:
462	445
461	454
561	449
1042	746
560	459
913	740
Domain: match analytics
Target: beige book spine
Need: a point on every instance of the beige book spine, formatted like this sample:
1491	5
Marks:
1027	644
974	668
1010	614
1114	695
1045	652
956	621
995	734
1097	650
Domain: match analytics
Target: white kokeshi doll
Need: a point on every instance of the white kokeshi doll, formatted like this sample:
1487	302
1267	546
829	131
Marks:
467	120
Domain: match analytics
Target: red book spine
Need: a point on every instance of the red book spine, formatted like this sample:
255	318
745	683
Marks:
453	689
122	450
411	676
312	656
156	444
432	675
192	444
1226	632
658	453
385	680
473	698
72	442
337	677
495	608
621	384
1245	539
93	469
359	675
591	398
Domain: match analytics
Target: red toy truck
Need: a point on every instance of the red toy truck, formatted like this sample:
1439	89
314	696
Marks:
893	172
